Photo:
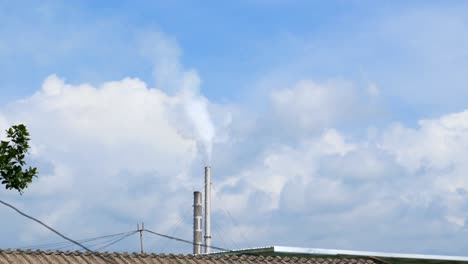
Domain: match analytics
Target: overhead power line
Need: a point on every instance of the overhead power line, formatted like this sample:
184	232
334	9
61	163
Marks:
176	228
46	226
55	231
66	243
116	240
217	230
184	240
105	242
119	239
236	224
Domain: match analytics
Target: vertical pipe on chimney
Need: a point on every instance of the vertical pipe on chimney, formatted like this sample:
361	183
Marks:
207	209
197	223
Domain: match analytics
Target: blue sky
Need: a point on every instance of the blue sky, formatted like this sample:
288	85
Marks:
337	40
349	115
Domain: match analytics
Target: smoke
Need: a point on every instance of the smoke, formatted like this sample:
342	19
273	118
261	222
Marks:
192	116
196	110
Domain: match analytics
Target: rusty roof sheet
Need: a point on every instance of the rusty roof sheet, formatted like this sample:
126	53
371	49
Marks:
77	257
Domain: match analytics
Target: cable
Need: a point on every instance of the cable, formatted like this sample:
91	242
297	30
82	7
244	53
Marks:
103	242
172	234
46	226
184	240
80	240
118	240
53	230
223	231
215	229
72	245
181	220
236	225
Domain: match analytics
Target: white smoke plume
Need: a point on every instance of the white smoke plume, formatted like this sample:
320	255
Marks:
196	109
171	76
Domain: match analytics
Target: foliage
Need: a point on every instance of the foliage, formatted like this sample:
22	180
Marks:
12	159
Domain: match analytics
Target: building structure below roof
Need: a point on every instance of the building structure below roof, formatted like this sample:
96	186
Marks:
393	258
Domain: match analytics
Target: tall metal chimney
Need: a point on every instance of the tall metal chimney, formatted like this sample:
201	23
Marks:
207	209
197	223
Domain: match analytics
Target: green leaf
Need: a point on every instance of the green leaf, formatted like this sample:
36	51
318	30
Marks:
12	159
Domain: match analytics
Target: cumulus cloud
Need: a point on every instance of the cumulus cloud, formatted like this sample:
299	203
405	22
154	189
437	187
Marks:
116	153
104	147
309	106
121	152
436	144
435	153
333	187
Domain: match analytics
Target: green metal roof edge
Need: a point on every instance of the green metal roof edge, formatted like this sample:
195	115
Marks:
394	258
247	251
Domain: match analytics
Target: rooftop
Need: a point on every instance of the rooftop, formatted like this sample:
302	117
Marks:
77	257
394	258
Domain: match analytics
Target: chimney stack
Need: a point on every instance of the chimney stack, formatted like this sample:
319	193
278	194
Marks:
207	209
197	223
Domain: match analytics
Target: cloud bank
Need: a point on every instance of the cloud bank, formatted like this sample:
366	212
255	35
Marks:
123	151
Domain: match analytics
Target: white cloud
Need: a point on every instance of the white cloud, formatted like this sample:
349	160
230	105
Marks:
4	125
435	144
97	142
279	166
53	85
408	180
333	143
116	152
310	105
435	153
121	152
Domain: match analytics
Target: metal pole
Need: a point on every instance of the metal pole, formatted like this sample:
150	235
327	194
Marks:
197	223
141	236
207	209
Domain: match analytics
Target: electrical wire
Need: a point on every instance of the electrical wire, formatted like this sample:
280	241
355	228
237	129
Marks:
102	242
184	240
73	245
46	226
115	241
236	224
88	249
218	233
181	220
118	239
55	231
172	234
59	244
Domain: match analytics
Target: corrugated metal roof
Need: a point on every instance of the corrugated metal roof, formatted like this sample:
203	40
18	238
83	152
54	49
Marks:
76	257
395	258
